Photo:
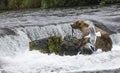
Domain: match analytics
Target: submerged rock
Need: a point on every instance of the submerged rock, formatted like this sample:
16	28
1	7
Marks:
55	44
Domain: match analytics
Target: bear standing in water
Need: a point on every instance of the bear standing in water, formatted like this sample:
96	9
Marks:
103	42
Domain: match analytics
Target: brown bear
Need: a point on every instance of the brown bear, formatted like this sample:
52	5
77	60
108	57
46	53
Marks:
103	42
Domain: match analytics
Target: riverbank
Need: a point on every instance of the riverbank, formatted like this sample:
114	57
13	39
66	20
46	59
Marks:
26	4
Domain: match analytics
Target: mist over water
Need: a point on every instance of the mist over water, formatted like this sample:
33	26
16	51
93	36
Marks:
30	25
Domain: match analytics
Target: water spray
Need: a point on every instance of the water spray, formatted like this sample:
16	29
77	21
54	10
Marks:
92	33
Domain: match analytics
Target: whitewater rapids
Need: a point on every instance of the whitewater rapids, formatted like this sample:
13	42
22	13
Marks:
35	62
20	60
15	56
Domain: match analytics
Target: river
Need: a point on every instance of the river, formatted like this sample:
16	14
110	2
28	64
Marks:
18	28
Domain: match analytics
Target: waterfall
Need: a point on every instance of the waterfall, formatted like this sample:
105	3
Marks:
38	32
18	28
12	44
116	38
15	56
19	42
25	61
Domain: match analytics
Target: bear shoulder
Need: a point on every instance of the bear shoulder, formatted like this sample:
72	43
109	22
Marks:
101	31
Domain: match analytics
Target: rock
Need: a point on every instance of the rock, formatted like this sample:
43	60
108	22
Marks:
40	45
70	46
55	44
87	49
47	45
104	27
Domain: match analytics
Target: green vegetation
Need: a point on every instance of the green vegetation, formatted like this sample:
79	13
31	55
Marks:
20	4
36	46
53	3
31	3
3	4
54	44
103	2
33	46
51	45
14	4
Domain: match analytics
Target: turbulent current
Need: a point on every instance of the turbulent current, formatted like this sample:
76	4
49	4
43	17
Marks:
18	28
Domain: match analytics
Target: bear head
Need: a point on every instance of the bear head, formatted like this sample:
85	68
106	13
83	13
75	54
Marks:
79	24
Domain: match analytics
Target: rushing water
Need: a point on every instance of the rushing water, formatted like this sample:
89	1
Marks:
18	28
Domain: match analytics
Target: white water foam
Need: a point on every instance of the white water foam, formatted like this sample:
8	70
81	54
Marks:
12	44
35	62
37	32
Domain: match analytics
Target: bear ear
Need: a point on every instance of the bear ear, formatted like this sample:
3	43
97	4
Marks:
81	21
85	24
77	22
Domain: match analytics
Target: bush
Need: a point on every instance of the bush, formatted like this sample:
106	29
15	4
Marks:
14	4
102	2
51	3
18	4
3	4
31	3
